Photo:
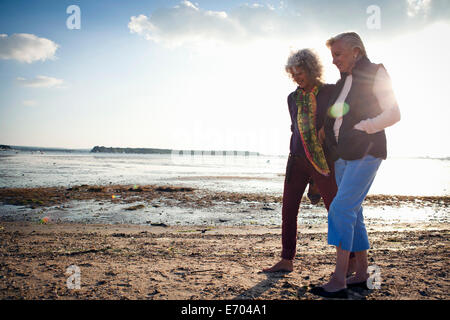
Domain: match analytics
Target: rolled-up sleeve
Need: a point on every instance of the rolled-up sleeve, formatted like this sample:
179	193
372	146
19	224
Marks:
390	114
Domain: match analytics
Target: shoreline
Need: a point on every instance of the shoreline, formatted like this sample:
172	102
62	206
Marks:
181	205
198	262
198	197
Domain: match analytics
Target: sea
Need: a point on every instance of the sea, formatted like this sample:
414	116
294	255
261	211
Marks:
229	172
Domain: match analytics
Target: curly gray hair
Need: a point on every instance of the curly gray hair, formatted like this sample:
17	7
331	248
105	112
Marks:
308	60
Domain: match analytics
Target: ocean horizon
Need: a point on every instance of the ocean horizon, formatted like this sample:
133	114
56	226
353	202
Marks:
43	167
88	150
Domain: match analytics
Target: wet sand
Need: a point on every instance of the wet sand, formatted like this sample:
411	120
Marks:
118	261
175	195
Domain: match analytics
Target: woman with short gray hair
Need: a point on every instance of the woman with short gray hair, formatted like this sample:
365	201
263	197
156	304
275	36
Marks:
308	157
352	40
362	106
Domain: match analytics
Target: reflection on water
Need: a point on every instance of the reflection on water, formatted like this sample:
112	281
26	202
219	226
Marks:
221	173
247	174
224	214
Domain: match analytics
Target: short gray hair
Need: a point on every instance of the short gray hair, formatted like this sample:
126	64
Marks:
308	60
352	39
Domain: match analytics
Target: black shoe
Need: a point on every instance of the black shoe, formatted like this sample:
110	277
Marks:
340	294
362	285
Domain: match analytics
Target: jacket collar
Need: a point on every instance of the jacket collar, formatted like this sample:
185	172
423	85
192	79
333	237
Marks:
359	65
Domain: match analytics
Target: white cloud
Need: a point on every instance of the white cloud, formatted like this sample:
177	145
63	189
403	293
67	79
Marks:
416	7
188	4
188	24
29	103
26	47
41	82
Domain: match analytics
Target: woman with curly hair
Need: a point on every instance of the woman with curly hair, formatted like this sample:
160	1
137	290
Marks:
308	157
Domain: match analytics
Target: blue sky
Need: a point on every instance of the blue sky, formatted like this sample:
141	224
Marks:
205	74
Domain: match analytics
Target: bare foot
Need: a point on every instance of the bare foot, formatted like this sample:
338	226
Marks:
334	285
357	278
283	265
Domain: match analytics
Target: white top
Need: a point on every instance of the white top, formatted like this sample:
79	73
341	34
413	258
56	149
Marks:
382	89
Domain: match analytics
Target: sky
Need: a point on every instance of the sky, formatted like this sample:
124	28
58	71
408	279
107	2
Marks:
206	75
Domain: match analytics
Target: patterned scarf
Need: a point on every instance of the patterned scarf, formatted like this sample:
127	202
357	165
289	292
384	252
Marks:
306	120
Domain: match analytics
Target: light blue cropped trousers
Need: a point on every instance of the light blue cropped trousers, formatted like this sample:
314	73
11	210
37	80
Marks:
346	226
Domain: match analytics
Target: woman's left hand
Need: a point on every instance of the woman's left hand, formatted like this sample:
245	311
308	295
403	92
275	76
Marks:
366	126
321	135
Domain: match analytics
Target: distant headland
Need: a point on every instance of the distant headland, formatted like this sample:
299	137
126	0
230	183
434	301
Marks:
4	147
129	150
169	151
102	149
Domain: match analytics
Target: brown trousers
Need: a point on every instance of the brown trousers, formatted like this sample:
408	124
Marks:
298	173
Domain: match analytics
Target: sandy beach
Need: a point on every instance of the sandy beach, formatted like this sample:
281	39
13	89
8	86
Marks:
211	262
147	262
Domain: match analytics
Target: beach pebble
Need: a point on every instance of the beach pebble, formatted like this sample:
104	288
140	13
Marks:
153	293
159	225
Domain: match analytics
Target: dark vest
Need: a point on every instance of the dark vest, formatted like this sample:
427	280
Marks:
355	144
